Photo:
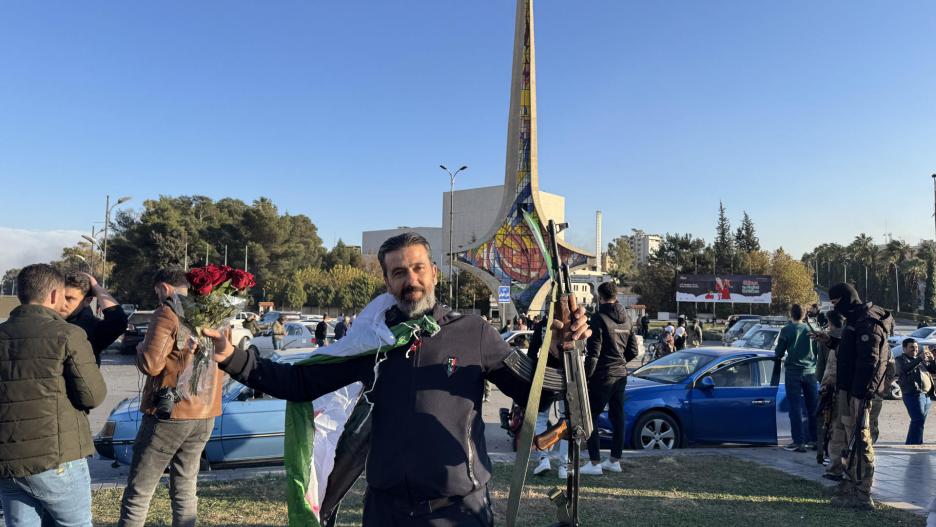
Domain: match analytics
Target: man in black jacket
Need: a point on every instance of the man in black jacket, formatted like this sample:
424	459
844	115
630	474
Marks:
611	346
862	356
80	290
428	464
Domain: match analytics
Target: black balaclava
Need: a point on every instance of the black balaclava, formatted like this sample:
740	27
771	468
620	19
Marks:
848	298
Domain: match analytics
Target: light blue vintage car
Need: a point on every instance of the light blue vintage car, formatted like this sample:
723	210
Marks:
250	428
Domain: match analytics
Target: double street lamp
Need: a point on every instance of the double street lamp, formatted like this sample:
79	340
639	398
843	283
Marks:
103	245
452	226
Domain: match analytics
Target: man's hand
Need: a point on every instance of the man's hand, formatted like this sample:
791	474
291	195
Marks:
93	281
104	299
580	329
222	345
823	338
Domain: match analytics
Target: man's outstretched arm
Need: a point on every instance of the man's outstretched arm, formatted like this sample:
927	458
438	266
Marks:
285	381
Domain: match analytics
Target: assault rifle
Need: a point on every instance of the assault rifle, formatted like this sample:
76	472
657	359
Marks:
576	425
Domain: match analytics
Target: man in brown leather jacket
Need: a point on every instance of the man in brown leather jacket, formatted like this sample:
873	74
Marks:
175	425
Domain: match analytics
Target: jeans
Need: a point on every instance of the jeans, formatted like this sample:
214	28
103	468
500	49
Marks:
277	343
917	406
802	391
62	493
178	444
609	392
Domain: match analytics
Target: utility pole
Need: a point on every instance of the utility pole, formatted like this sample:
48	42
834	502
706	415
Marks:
934	199
245	256
206	253
225	255
897	283
107	212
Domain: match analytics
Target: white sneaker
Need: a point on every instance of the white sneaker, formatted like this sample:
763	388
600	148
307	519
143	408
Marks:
542	467
563	472
590	469
611	466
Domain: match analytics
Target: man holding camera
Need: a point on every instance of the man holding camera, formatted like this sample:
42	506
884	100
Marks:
174	430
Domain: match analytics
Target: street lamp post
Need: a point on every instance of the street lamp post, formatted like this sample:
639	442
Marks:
934	198
452	226
107	212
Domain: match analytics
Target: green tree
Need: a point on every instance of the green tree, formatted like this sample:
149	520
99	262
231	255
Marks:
724	242
472	293
913	271
9	281
342	254
622	258
746	236
792	282
929	302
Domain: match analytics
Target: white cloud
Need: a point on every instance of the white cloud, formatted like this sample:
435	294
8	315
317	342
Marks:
20	247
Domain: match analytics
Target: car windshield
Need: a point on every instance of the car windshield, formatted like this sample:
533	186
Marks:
921	333
763	339
675	367
741	327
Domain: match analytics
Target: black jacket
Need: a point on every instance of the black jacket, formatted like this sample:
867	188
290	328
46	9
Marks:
320	331
101	333
48	382
428	431
862	351
612	343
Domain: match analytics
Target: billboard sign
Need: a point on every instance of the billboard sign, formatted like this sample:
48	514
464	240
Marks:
724	288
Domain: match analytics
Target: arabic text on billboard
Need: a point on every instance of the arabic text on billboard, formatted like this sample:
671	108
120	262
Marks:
746	289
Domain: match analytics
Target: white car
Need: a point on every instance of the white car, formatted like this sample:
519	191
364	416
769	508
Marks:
298	335
920	334
518	338
759	336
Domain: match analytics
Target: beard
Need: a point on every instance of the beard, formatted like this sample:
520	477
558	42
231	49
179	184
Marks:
415	308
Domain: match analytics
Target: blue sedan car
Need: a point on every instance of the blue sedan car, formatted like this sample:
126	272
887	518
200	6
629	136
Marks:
704	396
250	428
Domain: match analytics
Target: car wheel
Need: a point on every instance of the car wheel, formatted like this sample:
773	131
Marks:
656	431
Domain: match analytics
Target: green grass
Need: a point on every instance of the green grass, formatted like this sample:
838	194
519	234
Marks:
683	490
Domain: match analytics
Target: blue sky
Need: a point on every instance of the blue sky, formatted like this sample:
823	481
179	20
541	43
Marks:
818	118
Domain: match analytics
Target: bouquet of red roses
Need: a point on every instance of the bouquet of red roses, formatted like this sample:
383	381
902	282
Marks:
216	294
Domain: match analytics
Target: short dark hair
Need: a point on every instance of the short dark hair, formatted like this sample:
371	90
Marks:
172	276
835	319
907	341
79	281
796	312
398	242
35	282
607	291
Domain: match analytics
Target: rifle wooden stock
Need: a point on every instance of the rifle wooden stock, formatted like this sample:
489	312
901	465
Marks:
552	435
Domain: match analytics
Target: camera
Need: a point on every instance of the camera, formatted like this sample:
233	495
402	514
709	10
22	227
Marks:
165	399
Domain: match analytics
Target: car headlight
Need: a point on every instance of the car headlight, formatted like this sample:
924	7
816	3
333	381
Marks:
108	431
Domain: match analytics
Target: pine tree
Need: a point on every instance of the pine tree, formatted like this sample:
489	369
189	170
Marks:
724	242
746	237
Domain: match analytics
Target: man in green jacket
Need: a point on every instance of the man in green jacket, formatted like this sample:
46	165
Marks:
48	382
802	388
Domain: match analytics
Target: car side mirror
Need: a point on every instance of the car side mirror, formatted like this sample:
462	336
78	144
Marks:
706	383
245	395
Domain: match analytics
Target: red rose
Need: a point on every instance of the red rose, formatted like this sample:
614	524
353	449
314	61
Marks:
241	280
200	280
216	274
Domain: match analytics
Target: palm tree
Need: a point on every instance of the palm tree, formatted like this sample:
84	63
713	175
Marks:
914	272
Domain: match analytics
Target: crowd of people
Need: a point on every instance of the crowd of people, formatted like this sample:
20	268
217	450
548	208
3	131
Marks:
836	374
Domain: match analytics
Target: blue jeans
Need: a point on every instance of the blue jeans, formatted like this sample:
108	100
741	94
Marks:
62	493
802	391
917	406
277	343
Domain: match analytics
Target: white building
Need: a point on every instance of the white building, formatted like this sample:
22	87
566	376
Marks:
644	245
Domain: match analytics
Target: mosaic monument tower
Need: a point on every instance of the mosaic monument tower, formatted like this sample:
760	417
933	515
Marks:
508	255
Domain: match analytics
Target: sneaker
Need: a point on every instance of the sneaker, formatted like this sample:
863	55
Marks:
832	476
563	472
590	469
542	467
611	466
811	445
827	461
800	448
791	447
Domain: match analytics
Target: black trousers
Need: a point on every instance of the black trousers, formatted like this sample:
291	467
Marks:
386	510
608	392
